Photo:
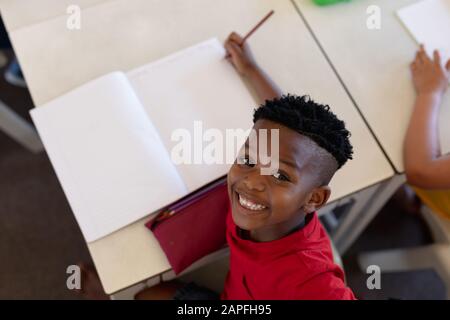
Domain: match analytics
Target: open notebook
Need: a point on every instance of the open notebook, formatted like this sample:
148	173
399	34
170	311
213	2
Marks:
428	21
110	140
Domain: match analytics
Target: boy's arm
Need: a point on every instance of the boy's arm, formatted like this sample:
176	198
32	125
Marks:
425	167
241	58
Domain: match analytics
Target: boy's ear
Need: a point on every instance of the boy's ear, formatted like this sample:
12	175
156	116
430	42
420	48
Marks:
317	199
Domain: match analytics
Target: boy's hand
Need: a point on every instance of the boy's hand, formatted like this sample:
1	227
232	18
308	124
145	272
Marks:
239	54
429	76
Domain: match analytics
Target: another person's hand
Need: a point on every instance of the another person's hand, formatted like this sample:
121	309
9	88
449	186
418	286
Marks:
239	54
429	76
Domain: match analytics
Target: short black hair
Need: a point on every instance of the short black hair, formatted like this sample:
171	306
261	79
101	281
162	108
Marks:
311	119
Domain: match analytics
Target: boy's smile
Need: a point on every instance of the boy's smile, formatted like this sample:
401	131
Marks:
273	205
250	205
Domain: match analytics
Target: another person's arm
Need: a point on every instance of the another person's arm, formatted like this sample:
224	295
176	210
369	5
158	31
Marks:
425	166
241	58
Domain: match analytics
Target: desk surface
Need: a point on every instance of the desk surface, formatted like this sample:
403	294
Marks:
374	66
121	35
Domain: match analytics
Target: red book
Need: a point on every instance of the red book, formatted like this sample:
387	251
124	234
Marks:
193	227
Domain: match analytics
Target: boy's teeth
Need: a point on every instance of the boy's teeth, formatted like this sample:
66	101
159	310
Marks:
250	204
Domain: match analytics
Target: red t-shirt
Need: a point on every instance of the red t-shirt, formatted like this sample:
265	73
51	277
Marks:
298	266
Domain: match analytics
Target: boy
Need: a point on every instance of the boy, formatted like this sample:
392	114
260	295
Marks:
278	248
281	251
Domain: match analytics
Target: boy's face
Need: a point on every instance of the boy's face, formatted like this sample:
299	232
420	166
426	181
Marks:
273	204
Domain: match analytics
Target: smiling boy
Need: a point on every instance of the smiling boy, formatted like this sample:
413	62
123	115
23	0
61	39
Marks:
278	248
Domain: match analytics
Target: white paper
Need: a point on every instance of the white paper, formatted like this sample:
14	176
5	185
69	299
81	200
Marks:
195	84
428	21
108	157
110	140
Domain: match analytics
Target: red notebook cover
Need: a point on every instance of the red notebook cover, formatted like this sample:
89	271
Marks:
193	228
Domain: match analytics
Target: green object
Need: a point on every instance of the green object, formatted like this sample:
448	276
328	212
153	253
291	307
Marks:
327	2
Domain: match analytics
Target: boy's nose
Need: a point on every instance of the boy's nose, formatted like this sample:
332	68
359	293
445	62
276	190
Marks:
254	182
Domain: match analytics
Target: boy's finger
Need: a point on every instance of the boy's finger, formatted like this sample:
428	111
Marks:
447	65
237	50
227	44
236	37
237	46
230	38
232	48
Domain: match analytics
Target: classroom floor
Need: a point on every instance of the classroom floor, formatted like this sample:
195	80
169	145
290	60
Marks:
39	237
392	228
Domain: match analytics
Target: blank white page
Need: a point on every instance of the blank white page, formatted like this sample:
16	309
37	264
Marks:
107	155
428	21
195	84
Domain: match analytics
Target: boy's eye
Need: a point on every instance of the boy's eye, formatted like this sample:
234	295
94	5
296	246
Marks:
280	176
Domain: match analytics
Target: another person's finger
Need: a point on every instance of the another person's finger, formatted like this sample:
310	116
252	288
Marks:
417	58
422	54
437	57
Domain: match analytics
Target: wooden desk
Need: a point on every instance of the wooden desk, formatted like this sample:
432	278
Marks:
374	66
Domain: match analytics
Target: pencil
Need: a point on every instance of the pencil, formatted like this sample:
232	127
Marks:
267	16
257	26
